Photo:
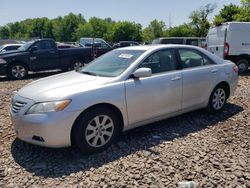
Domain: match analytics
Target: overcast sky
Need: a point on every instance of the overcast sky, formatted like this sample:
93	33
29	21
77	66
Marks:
139	11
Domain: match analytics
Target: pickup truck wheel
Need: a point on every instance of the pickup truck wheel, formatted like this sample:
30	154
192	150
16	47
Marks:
77	65
17	71
95	130
243	65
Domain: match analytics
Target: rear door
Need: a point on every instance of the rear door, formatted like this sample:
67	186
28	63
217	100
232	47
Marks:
45	57
157	95
199	75
216	39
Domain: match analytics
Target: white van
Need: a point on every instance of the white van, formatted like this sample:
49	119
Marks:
231	41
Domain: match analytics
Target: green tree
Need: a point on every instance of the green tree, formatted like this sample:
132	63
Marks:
226	14
4	32
245	3
127	31
84	30
199	19
244	14
70	23
48	30
184	30
154	30
37	29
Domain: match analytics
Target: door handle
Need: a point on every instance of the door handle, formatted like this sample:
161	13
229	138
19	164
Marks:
214	70
52	52
175	78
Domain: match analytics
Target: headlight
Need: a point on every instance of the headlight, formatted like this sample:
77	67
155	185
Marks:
44	107
2	61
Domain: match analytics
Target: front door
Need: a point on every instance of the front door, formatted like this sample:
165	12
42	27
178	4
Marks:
158	95
45	57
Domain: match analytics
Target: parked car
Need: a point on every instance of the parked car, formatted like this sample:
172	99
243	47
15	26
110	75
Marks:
231	41
9	47
125	44
123	89
100	45
40	55
194	41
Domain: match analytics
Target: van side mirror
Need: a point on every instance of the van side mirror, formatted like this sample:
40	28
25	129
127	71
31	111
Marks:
142	72
33	48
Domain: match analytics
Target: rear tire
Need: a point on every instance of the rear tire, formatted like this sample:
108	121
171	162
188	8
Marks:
217	100
17	71
243	65
95	130
77	65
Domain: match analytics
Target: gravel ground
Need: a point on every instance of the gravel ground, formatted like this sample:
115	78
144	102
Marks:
212	150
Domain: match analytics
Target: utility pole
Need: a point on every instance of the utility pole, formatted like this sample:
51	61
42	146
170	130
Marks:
170	21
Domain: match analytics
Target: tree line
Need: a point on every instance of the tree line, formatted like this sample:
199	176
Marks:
72	26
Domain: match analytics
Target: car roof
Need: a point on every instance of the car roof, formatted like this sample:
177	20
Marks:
158	46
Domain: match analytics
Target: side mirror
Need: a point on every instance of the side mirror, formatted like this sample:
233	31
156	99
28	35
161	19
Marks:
142	72
33	48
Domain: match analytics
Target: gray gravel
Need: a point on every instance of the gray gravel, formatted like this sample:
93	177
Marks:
212	150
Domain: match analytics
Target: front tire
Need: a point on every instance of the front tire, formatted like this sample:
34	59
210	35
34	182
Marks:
17	71
217	100
95	130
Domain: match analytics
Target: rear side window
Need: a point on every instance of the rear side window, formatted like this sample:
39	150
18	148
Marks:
45	45
192	58
161	61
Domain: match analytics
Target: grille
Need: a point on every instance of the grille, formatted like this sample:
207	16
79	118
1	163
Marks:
17	106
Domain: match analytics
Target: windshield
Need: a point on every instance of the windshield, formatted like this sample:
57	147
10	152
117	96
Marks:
113	63
26	45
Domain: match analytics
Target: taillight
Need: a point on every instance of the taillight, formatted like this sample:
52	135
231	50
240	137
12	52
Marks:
235	68
226	49
96	52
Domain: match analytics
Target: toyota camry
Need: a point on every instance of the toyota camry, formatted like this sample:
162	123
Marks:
121	90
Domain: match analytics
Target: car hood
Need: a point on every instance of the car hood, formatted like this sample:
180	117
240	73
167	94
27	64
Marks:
61	86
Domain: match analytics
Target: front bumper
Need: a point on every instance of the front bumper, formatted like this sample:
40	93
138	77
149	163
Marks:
3	69
53	129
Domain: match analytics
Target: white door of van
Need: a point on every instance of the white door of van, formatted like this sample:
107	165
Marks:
216	39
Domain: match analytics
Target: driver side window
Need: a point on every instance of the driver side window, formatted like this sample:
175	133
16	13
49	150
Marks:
161	61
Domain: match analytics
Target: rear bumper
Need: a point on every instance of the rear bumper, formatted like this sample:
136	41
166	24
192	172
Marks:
3	69
234	83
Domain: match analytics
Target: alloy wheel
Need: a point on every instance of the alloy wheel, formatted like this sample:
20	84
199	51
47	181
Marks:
219	98
99	131
78	65
18	71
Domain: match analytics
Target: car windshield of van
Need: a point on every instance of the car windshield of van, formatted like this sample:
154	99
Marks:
113	63
26	45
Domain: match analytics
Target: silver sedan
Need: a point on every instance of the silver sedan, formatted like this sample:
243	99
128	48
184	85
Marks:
121	90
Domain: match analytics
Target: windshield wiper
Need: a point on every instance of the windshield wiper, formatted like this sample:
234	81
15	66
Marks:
89	73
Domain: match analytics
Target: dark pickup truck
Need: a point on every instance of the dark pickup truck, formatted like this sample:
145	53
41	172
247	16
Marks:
43	54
